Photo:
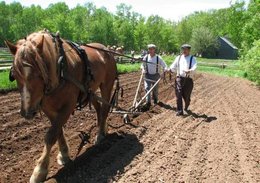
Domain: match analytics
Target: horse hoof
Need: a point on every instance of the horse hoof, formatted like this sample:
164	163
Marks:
62	160
39	175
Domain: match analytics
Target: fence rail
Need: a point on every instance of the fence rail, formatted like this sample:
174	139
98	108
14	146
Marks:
6	59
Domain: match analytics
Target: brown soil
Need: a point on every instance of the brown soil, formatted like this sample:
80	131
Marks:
218	142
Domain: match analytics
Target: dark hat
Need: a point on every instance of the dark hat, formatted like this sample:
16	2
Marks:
186	46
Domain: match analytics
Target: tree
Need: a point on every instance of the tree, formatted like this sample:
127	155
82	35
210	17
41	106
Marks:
236	21
124	26
57	18
184	31
140	35
251	62
250	31
101	27
154	26
204	42
78	20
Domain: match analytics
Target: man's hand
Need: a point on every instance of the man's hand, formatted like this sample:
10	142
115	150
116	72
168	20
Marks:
168	70
187	71
163	75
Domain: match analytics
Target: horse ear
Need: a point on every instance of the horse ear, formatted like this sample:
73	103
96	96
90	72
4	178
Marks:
11	46
40	44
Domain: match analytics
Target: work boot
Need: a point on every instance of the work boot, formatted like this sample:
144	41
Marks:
146	107
179	113
155	102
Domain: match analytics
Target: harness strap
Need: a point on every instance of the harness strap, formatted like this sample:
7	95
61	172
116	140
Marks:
157	64
191	61
87	77
147	71
190	64
76	83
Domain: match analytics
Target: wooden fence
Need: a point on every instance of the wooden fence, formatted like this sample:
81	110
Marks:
6	59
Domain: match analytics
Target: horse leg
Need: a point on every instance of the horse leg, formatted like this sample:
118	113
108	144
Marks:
97	107
106	91
41	170
63	155
54	133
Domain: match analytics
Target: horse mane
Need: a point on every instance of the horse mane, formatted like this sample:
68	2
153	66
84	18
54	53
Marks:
41	58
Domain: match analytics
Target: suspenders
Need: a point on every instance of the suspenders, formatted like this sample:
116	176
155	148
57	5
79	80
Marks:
157	64
191	61
190	64
147	71
178	64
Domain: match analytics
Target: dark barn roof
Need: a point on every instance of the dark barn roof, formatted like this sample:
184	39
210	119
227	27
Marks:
226	49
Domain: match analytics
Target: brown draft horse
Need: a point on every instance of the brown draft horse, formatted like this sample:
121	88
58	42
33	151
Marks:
35	68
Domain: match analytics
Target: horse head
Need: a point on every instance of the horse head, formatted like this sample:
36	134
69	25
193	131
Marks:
31	71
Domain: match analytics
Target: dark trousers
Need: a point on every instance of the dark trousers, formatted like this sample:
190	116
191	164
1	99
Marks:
183	89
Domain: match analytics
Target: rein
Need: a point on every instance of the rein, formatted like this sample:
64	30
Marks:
63	73
119	54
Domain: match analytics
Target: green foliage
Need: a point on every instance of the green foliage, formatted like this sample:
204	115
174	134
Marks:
236	20
133	31
222	72
203	42
251	62
88	24
250	31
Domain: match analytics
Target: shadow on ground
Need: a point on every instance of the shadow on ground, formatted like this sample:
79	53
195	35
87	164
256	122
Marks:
205	117
101	163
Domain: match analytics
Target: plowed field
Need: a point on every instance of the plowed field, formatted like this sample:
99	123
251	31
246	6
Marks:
218	142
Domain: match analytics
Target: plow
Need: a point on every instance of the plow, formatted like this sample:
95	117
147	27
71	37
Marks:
138	100
132	111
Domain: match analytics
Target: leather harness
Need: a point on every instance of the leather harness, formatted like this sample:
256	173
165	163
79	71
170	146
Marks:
63	73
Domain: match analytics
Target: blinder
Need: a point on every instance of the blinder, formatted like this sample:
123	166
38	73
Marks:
11	75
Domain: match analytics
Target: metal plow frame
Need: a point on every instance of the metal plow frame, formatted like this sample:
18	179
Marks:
136	103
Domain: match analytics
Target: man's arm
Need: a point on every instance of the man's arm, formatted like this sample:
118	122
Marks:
142	65
173	67
193	65
162	64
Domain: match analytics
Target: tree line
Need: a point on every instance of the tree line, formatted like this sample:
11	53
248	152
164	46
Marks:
87	23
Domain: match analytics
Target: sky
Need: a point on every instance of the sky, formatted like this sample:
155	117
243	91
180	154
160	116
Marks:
168	9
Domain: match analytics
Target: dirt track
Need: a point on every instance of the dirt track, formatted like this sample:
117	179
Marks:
218	142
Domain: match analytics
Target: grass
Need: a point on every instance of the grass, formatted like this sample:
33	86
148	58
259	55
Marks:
128	67
5	84
222	72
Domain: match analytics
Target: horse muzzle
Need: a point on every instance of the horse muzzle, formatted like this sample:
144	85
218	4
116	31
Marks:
29	114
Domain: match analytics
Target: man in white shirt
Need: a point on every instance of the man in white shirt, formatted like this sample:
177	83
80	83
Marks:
153	67
184	65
